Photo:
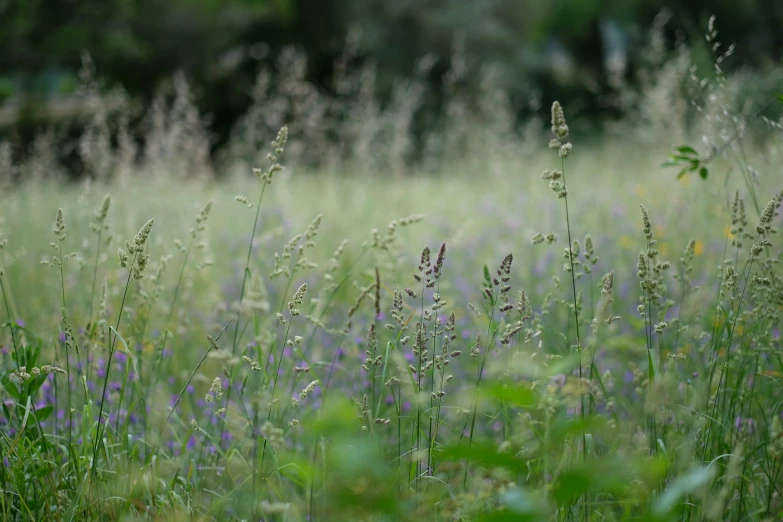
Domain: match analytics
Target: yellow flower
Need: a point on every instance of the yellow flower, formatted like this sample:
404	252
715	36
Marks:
698	248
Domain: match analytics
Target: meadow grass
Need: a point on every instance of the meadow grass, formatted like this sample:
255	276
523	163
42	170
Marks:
456	340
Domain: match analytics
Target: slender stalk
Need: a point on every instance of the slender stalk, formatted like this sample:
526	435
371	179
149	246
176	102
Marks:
576	304
491	341
246	270
67	358
11	324
98	434
95	273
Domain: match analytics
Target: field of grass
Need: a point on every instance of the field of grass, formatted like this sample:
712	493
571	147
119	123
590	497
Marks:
471	344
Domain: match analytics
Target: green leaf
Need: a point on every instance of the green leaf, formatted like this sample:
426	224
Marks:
521	504
703	173
682	173
513	394
34	384
680	488
486	457
780	97
572	484
650	366
505	516
44	412
10	387
685	149
564	428
28	408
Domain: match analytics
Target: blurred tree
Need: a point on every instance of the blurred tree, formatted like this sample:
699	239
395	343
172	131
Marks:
569	49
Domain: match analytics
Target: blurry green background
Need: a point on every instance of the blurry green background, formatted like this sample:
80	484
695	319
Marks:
582	52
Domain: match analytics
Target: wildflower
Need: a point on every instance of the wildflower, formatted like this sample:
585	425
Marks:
20	376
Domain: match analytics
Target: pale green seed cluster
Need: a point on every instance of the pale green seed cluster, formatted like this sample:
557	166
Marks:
21	375
310	388
215	391
59	225
764	228
278	146
254	365
201	219
388	240
99	219
296	300
540	238
136	249
298	245
273	435
70	339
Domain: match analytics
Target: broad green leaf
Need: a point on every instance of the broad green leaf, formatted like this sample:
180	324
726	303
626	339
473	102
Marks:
703	173
521	503
572	484
514	394
570	427
506	516
44	412
486	457
10	387
680	488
